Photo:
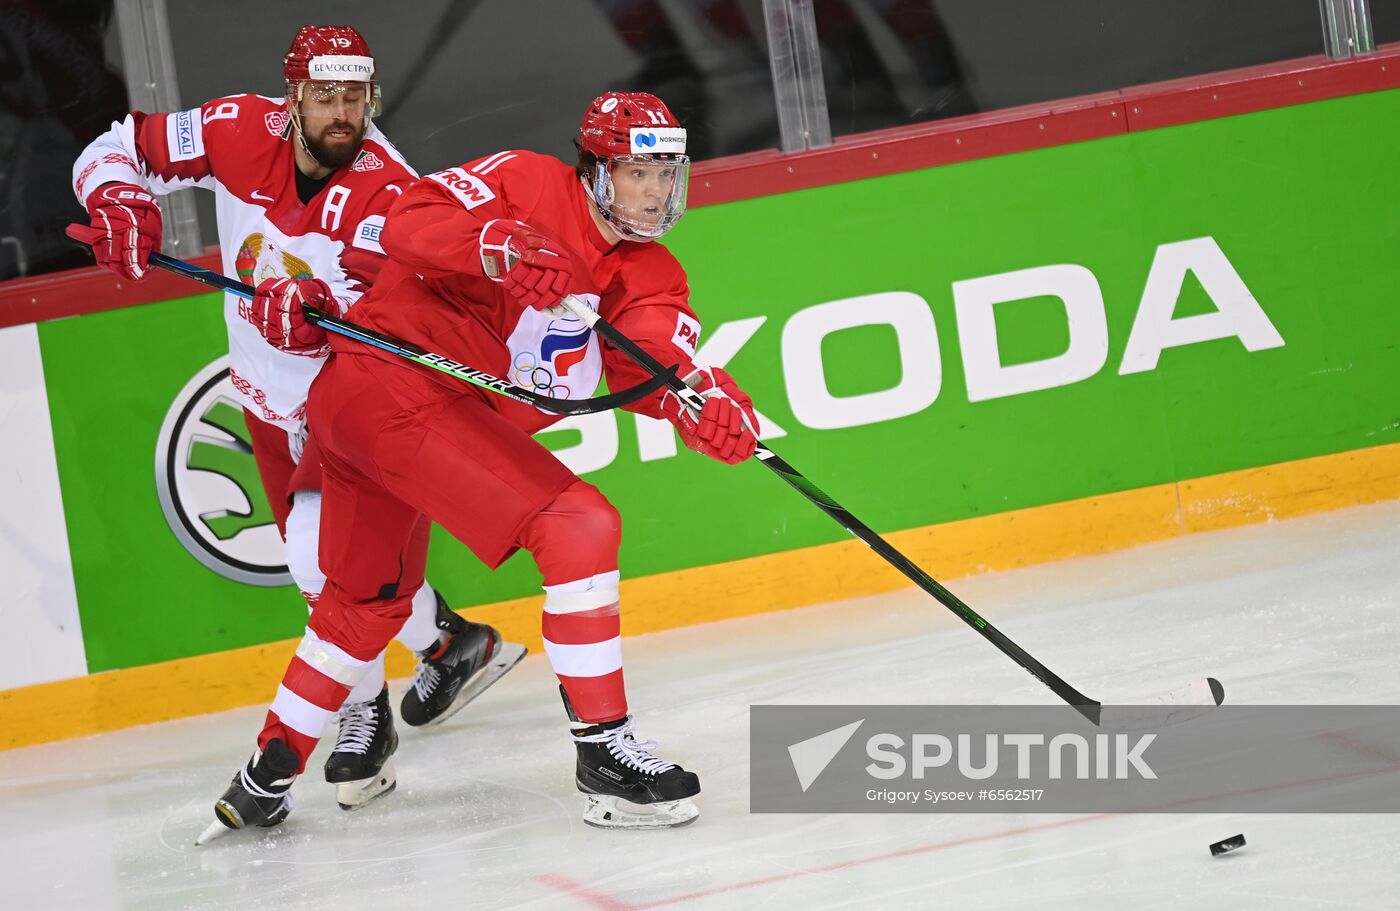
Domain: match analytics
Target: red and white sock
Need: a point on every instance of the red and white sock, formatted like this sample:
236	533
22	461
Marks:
317	681
583	639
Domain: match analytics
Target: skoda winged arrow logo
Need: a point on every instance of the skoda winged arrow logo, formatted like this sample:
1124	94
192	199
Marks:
208	483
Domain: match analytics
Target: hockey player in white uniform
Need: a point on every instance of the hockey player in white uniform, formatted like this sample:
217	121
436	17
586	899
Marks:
302	184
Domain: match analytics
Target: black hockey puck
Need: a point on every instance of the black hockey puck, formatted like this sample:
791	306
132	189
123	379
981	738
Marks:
1226	845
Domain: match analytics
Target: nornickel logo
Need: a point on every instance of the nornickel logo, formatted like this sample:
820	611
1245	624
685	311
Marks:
208	483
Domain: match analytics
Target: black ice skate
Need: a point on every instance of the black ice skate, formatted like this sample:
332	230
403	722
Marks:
459	669
259	794
359	766
625	785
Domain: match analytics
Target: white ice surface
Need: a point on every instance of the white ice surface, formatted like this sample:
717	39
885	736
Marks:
1298	612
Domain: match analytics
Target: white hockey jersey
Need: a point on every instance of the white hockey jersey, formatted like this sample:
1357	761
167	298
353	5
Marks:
240	147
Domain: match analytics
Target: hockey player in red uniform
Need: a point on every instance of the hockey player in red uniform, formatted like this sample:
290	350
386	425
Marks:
479	256
302	184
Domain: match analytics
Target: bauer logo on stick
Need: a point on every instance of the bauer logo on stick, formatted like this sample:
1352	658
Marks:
208	483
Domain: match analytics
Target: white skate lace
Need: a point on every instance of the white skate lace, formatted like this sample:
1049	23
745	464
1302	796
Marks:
425	680
357	728
257	790
627	749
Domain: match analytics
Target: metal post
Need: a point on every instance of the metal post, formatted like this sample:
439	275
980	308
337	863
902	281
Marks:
795	59
1346	28
148	57
1365	42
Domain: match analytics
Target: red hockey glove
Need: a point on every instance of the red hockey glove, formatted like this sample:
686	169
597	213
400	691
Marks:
276	312
726	428
126	223
533	267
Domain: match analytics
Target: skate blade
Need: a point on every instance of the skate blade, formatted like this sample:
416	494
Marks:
507	656
216	829
616	813
351	795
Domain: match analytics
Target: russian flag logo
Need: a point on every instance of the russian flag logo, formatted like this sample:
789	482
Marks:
565	343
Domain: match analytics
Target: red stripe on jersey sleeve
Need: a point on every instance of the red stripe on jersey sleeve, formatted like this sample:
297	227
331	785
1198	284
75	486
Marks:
153	146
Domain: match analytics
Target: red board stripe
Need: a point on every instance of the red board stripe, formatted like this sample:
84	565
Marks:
907	148
91	290
1258	88
876	154
1003	132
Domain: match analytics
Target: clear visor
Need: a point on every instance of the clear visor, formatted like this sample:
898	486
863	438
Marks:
643	195
353	102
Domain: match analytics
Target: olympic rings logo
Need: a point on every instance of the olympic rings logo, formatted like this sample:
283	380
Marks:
528	372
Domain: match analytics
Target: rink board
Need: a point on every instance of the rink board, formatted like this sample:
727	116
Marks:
775	582
853	331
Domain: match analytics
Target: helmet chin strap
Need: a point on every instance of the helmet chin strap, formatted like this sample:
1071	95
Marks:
603	211
294	109
301	140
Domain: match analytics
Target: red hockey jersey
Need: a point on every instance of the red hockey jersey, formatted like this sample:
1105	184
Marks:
434	293
240	147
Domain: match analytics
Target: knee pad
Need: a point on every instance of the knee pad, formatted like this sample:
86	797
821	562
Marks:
362	628
575	537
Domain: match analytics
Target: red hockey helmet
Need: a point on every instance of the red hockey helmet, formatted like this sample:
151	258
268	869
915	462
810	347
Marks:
328	53
639	182
331	55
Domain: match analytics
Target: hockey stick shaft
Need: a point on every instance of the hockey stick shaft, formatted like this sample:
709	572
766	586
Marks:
1087	707
417	355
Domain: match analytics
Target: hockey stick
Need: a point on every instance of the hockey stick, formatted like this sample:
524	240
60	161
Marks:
407	350
1174	706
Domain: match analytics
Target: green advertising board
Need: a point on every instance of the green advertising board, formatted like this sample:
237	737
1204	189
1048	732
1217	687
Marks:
929	346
